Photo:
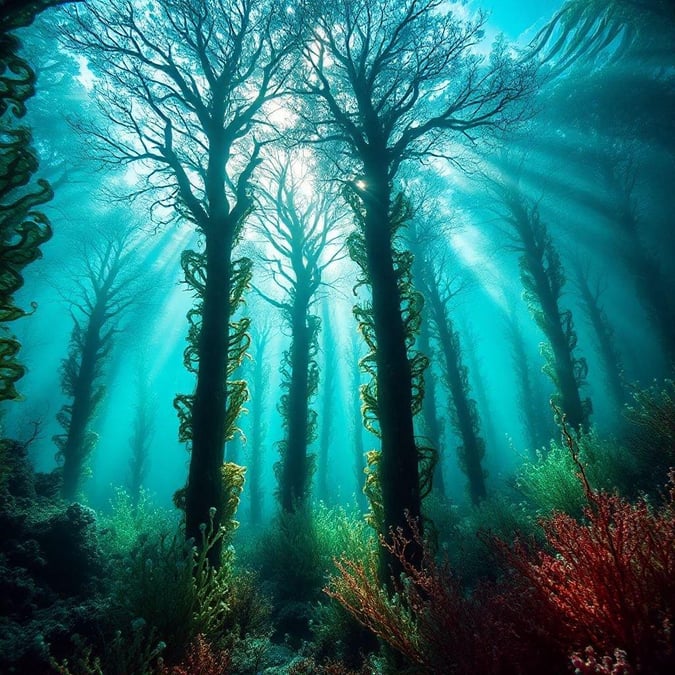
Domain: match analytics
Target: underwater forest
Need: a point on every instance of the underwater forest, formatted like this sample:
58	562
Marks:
337	337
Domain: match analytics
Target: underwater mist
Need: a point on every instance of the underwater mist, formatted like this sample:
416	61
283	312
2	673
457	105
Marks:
337	337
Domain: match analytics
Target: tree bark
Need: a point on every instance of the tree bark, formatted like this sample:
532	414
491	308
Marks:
205	486
293	487
398	465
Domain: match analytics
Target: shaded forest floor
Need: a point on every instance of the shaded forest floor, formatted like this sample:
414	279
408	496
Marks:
571	567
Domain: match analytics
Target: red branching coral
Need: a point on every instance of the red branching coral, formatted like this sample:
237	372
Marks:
201	658
428	620
590	664
610	580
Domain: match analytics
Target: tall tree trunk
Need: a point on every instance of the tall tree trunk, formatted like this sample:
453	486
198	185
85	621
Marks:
258	396
205	486
432	424
556	326
295	466
79	439
604	334
533	408
399	473
327	412
463	410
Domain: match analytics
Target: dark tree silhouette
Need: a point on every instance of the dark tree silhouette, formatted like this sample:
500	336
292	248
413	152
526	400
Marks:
604	335
301	230
23	229
543	279
106	287
534	409
433	428
618	170
256	445
328	384
142	430
186	88
353	357
384	84
438	291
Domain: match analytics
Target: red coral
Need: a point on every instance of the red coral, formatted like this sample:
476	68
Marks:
201	658
589	664
610	581
429	620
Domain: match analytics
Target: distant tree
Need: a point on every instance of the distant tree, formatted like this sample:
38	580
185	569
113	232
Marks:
433	428
142	430
329	349
438	291
353	357
618	171
105	289
423	237
259	389
185	89
534	409
543	280
301	231
604	335
386	83
486	409
613	84
23	229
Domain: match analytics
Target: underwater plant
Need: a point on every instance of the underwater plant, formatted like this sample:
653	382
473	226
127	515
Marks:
23	229
604	335
649	437
354	406
543	280
428	621
433	424
438	288
607	581
200	658
549	481
176	66
329	386
259	387
141	438
172	587
303	235
365	77
533	404
106	288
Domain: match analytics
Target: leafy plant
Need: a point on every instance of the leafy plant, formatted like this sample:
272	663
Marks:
550	483
609	580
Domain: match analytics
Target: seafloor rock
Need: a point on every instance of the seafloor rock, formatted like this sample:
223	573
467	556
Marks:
51	568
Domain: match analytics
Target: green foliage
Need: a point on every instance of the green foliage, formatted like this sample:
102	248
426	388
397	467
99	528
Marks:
411	312
291	556
131	651
129	523
650	435
297	551
193	264
551	483
170	585
23	230
342	533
